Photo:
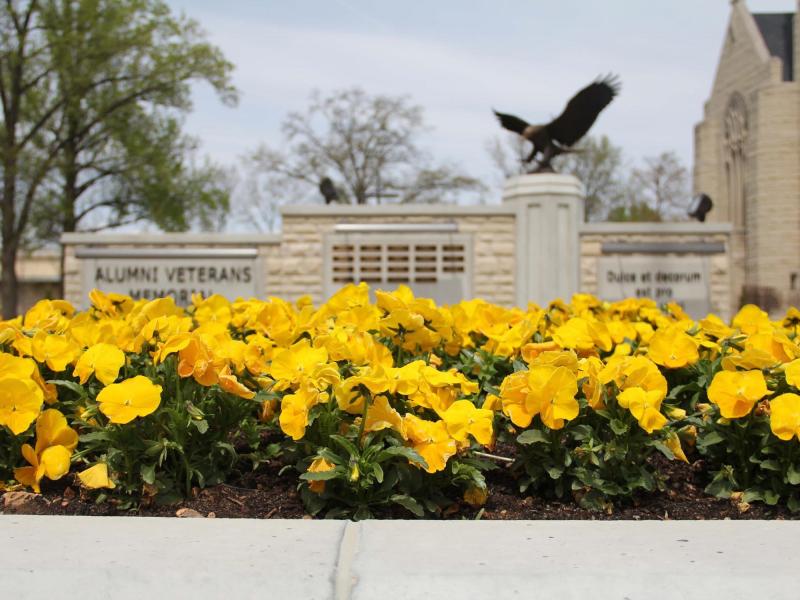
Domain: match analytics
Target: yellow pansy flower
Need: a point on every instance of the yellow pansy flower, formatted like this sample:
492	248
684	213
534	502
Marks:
736	392
14	366
53	462
229	383
589	369
792	372
52	429
784	417
644	405
55	441
196	360
463	418
554	390
319	465
57	351
673	442
20	403
135	397
296	362
104	360
672	348
751	319
381	415
294	410
431	441
715	327
110	304
546	391
96	477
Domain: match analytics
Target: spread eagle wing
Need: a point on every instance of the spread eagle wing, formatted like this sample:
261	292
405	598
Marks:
511	122
581	112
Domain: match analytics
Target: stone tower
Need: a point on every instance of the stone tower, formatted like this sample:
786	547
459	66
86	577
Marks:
747	153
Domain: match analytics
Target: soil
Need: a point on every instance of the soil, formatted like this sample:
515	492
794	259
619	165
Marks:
265	494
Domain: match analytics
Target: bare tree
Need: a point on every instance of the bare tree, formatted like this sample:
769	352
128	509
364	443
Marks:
663	184
366	144
258	197
508	154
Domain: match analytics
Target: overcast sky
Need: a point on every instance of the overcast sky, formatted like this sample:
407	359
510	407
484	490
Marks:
459	58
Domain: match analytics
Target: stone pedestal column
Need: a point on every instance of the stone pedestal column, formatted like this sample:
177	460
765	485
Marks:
549	214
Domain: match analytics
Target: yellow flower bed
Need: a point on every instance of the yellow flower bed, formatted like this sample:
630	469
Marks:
397	401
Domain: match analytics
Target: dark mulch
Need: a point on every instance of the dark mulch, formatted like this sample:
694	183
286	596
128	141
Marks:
683	499
264	494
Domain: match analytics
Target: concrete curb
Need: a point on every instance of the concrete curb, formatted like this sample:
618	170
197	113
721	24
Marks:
125	557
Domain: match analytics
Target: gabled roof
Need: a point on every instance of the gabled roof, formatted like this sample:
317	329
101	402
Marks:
777	29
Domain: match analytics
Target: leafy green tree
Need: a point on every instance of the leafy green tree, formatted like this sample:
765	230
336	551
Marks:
636	211
93	92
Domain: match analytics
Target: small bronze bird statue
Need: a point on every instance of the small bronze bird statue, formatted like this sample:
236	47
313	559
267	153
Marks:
700	207
557	136
328	190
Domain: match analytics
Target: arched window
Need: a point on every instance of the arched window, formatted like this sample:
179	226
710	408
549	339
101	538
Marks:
735	157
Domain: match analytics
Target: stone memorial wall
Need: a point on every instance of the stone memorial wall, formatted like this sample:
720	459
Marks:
688	263
177	265
530	248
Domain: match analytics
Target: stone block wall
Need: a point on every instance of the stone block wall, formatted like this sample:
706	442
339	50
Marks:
594	236
266	245
298	268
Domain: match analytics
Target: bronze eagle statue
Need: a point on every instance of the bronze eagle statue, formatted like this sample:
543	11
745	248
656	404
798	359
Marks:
557	136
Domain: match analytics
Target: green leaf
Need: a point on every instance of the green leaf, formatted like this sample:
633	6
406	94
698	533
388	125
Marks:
70	385
201	425
330	456
363	513
321	475
377	470
194	411
148	473
153	448
531	436
709	439
792	475
618	427
770	465
95	436
554	472
720	486
664	450
519	366
409	504
408	453
752	495
346	444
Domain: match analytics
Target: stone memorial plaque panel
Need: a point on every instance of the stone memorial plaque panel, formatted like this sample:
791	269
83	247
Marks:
684	280
178	272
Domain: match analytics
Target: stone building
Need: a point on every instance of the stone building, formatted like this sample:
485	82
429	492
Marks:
747	153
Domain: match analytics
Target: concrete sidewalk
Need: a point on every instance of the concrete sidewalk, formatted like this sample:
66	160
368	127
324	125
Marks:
148	559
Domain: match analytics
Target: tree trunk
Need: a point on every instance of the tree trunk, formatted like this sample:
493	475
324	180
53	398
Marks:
10	293
10	283
70	197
